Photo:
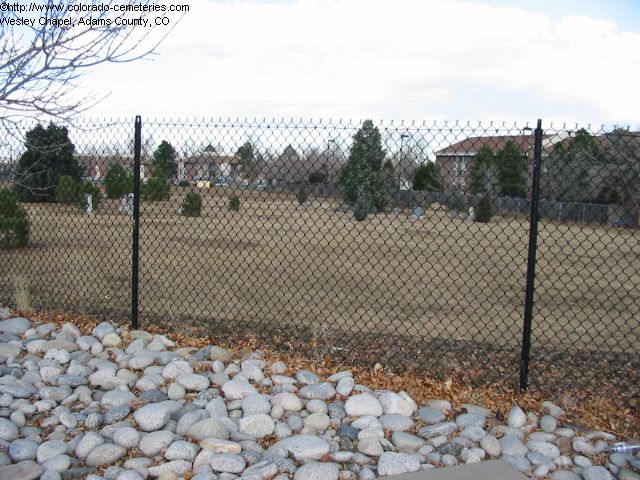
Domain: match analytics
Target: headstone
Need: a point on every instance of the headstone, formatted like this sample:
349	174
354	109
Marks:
126	204
472	213
89	198
417	213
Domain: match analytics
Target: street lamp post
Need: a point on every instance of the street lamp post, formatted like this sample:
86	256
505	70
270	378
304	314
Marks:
402	138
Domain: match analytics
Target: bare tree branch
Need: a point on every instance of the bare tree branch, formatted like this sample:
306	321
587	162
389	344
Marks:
42	62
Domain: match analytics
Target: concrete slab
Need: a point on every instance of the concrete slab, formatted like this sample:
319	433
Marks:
490	470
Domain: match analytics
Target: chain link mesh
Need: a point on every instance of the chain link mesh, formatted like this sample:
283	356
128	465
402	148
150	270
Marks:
433	278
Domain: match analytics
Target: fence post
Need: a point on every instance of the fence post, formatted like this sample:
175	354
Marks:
135	246
531	262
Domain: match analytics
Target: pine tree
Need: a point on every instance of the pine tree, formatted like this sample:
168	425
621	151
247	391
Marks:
480	171
365	174
48	157
117	182
484	211
426	178
164	158
510	171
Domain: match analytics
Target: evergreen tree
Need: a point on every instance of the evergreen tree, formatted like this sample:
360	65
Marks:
48	157
117	182
567	174
484	211
426	178
14	222
510	171
246	154
363	175
165	158
66	190
479	176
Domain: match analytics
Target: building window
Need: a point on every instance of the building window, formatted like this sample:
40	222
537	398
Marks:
459	173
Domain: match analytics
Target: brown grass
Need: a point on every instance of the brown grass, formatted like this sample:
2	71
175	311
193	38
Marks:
276	264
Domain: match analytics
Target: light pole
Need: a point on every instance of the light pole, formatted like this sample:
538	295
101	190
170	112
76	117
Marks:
526	154
332	159
402	138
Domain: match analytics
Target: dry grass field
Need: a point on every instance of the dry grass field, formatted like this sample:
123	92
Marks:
277	264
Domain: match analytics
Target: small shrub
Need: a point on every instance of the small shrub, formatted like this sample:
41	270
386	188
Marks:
302	196
156	189
14	224
317	176
192	204
458	203
117	183
234	203
363	205
66	190
88	188
484	211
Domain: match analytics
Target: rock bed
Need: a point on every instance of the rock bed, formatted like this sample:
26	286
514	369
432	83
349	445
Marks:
129	406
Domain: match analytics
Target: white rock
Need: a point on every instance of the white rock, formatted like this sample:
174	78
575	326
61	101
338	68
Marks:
105	454
547	449
153	443
181	450
363	404
117	398
260	425
21	450
510	445
210	427
317	422
88	442
193	382
345	386
596	473
50	449
516	418
318	471
227	462
102	329
8	430
176	392
126	437
173	468
288	401
237	389
397	463
303	447
491	445
393	403
370	446
217	445
175	369
255	404
111	340
152	417
548	423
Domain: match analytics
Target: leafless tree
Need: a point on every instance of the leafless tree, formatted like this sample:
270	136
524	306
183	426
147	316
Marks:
42	61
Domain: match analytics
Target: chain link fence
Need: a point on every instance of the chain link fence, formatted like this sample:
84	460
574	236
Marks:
404	243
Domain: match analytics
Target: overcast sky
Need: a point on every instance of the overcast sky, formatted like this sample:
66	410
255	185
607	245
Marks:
568	60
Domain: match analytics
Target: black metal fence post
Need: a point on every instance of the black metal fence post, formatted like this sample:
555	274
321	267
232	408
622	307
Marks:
531	263
135	251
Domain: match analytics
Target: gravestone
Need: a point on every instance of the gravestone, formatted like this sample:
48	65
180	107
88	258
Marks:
126	204
417	213
89	199
472	214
